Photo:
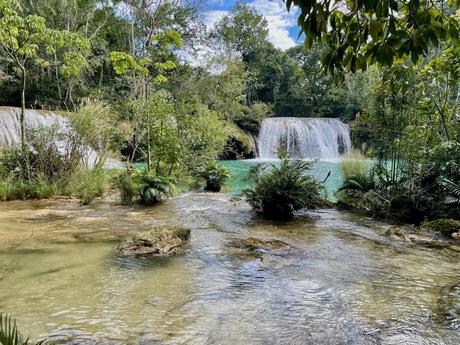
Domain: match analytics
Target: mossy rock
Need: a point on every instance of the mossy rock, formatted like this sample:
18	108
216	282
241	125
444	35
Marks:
160	241
447	227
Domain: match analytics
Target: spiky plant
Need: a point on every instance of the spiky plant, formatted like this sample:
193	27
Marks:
156	189
280	190
215	176
9	333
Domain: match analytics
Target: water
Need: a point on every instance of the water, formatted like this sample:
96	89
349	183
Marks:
303	137
320	169
10	128
332	278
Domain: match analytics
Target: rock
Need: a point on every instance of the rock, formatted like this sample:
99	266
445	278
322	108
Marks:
403	209
446	227
257	244
414	235
158	241
456	235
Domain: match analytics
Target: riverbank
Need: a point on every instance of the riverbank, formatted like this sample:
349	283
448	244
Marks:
326	277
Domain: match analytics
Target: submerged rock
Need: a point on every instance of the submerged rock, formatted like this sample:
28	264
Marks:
415	235
446	227
254	244
158	241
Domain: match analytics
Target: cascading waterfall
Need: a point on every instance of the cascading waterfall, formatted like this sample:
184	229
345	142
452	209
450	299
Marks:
10	128
305	138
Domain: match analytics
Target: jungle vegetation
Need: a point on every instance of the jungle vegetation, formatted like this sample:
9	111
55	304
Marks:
133	81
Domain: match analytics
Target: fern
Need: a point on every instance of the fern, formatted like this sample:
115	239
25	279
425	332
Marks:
453	189
9	333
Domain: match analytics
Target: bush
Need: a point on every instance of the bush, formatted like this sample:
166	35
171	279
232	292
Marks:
125	183
155	189
354	163
41	188
281	190
215	176
88	184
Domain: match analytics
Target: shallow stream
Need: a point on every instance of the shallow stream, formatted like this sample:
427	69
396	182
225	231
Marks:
326	278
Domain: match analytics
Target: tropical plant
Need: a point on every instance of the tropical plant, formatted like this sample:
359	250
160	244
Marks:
155	189
282	189
9	333
453	190
215	176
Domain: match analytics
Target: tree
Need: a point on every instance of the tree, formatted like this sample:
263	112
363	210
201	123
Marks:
243	29
26	42
359	33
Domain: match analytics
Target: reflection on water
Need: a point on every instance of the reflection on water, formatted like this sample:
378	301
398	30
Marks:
325	278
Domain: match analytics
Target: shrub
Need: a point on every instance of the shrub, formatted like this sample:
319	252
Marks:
41	188
215	176
87	184
281	190
127	187
354	163
155	189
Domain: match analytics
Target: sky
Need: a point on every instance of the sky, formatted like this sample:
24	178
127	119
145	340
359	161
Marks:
282	26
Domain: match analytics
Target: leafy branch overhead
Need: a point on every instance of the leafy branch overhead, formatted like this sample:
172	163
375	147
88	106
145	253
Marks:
164	42
359	33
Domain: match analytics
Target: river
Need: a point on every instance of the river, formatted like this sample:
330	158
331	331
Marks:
328	277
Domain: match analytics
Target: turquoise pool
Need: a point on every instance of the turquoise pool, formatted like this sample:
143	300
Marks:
320	170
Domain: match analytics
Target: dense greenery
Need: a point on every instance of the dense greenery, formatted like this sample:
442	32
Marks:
134	87
280	190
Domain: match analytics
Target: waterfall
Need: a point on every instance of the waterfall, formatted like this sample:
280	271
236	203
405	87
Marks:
10	128
309	138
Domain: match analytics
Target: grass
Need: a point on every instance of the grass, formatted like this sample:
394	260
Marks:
354	163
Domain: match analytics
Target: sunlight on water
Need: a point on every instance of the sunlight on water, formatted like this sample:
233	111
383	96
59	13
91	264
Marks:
326	278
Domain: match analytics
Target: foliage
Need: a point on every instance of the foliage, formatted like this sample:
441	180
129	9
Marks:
127	187
9	333
155	189
354	163
282	189
215	176
360	33
88	183
26	40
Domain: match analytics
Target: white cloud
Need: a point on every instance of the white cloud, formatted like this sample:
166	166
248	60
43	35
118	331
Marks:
210	18
279	22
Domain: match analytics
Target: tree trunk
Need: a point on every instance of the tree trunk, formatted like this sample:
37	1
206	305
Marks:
22	119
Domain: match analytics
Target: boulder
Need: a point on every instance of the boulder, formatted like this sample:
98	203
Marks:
162	241
446	227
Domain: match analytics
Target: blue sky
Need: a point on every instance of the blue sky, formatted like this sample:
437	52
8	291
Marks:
282	26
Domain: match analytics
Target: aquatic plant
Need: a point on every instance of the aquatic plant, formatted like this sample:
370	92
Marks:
282	189
215	176
9	333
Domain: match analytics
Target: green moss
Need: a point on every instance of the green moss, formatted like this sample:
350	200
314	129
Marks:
183	233
444	226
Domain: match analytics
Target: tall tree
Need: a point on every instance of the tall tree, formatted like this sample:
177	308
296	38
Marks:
27	42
